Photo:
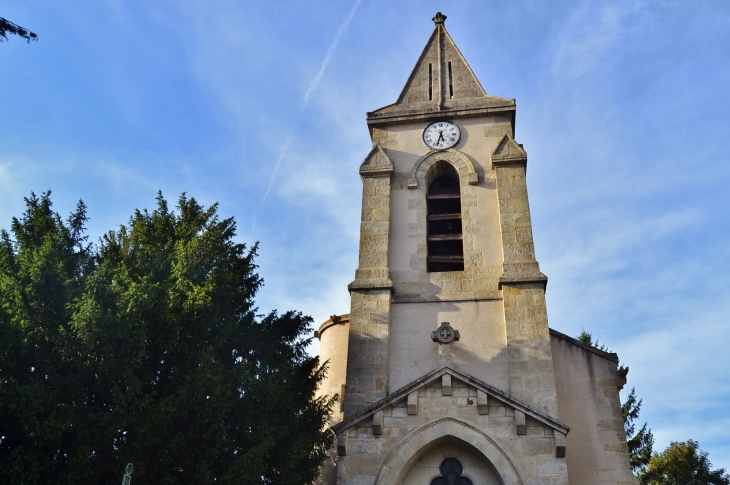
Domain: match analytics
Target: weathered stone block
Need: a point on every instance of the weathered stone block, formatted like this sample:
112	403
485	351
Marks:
358	480
551	467
482	402
620	449
446	384
342	445
539	446
520	423
560	448
393	422
610	424
504	421
378	423
413	403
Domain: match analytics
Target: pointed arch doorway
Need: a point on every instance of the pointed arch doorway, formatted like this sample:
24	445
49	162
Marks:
418	456
451	462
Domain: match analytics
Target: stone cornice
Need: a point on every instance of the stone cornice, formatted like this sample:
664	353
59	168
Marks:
438	297
522	277
409	114
333	320
492	391
374	284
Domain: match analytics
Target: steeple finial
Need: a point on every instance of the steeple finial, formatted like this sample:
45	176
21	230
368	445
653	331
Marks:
439	19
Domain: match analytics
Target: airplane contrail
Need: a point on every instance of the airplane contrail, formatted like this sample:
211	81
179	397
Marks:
330	52
282	155
312	86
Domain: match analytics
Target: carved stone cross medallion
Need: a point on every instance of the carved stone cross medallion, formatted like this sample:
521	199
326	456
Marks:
444	336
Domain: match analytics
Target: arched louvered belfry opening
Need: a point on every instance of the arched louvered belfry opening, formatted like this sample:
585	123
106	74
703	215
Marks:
445	239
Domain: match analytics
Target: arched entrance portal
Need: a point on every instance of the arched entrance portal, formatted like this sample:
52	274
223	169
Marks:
417	459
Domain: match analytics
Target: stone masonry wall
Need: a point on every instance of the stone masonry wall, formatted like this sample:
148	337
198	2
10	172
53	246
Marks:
532	378
367	360
588	392
514	209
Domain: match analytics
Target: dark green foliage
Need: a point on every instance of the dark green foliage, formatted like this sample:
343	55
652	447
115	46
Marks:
587	339
682	463
640	443
7	27
147	349
42	271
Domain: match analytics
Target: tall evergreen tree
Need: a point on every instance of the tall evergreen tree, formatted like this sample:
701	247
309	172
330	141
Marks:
641	442
147	349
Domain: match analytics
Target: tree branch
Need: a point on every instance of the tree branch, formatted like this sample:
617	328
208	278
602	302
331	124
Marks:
6	26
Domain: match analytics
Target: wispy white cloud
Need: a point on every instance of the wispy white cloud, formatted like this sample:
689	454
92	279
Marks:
312	87
589	35
6	176
11	193
330	52
609	240
680	365
282	155
118	8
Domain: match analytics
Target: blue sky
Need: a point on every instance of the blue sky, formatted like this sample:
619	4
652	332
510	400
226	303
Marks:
623	107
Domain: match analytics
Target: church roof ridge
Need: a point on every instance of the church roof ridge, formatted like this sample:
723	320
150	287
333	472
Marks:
428	378
440	84
612	356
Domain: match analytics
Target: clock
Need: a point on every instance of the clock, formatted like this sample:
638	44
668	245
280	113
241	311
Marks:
441	135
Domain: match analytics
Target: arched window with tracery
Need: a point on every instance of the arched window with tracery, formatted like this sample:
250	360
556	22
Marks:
451	474
445	238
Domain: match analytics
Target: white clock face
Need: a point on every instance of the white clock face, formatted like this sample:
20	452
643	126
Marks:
441	135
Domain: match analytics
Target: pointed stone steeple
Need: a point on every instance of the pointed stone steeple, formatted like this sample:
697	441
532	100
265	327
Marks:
441	83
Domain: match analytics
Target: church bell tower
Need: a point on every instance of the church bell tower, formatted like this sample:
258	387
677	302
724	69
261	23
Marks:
445	364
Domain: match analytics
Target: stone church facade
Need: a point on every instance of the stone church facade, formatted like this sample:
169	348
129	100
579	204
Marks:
446	367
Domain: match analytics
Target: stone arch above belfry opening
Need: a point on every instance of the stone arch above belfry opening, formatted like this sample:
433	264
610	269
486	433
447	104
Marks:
441	168
460	162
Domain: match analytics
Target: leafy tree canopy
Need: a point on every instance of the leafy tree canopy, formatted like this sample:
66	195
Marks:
147	348
682	463
7	27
